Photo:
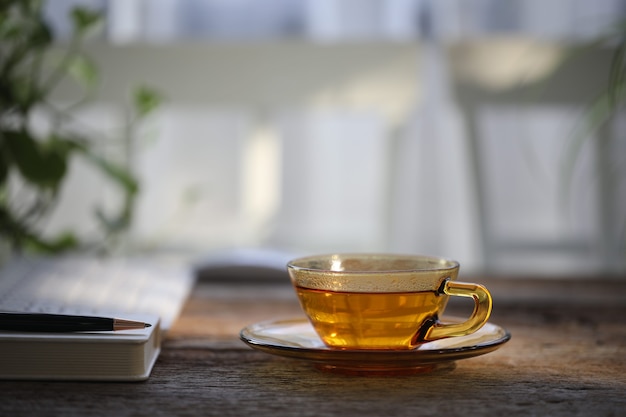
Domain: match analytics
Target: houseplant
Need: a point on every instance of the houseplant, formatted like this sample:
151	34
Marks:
34	165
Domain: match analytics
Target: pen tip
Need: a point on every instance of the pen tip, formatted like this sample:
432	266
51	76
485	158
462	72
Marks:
147	325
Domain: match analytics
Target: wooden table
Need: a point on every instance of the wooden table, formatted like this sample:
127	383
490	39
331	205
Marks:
567	357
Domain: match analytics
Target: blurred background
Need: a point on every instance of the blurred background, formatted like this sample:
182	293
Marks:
449	127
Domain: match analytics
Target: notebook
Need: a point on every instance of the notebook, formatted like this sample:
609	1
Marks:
148	290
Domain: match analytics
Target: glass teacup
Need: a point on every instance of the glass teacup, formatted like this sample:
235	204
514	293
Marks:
383	301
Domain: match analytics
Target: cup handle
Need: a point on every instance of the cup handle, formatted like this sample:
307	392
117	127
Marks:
482	310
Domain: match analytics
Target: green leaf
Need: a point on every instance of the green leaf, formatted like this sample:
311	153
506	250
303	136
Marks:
43	164
41	36
56	153
10	30
4	172
84	71
4	164
85	19
25	152
18	92
146	100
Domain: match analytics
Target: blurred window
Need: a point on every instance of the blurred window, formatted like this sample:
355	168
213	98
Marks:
372	125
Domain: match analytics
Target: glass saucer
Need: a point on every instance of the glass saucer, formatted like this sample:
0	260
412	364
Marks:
295	338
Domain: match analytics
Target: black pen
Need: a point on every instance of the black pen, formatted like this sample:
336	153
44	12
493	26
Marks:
62	323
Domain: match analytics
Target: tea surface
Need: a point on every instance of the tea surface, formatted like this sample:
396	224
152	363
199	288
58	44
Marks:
353	320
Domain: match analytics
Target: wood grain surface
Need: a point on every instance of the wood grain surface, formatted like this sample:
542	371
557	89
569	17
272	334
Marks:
567	357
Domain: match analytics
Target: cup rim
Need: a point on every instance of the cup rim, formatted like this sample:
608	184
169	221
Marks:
446	263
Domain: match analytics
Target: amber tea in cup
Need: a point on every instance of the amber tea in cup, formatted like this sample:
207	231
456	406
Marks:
382	301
